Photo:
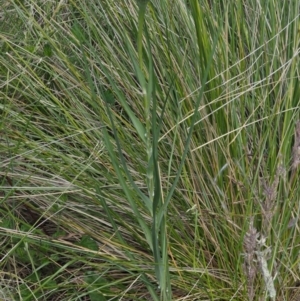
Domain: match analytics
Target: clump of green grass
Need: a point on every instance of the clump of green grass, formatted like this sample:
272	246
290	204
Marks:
147	150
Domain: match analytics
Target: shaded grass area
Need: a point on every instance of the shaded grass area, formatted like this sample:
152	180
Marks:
149	150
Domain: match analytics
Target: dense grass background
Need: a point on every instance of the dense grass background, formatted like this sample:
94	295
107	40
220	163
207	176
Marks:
149	150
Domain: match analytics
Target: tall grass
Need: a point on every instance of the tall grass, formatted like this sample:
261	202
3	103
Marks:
149	150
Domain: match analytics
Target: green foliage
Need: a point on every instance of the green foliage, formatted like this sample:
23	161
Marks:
149	149
87	242
47	50
95	284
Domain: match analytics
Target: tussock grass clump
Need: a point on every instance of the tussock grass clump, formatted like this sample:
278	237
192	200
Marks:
149	150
